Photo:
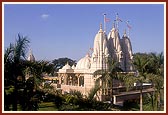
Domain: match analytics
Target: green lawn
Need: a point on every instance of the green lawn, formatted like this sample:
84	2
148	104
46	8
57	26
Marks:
47	106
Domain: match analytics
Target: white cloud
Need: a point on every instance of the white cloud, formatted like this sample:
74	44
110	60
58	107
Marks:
44	16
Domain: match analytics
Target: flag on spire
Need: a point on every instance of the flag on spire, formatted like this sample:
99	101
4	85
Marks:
91	49
127	22
107	19
129	26
117	18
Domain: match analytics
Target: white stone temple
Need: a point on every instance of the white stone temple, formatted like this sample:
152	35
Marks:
81	78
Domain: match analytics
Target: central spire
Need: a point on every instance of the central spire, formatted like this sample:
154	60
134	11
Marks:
101	30
125	34
100	25
104	22
113	26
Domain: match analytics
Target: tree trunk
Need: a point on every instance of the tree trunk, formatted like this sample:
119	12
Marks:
14	105
159	103
141	108
156	101
152	101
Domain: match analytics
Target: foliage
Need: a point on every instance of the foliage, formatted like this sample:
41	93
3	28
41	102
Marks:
131	105
60	62
150	69
93	92
105	77
22	78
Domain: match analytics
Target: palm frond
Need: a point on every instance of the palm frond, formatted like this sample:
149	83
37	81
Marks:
20	47
93	92
8	53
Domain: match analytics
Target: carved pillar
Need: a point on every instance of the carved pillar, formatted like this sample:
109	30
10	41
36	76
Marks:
65	79
59	79
70	78
78	76
78	80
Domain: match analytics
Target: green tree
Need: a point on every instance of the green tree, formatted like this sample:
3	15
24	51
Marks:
140	63
22	78
60	62
13	65
34	72
156	77
106	76
150	69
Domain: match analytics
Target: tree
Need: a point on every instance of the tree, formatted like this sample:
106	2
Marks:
140	63
33	72
22	78
107	76
150	69
60	62
13	59
156	76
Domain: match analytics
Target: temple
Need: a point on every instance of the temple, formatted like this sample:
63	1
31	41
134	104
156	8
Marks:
81	77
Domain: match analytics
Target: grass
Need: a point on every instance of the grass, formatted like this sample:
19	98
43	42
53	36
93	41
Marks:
47	106
47	109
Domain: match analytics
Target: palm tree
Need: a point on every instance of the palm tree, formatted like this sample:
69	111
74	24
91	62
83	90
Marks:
107	76
8	65
140	63
93	92
33	73
149	69
13	58
156	76
157	82
15	68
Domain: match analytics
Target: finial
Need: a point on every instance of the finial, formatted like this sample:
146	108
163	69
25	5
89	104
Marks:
31	51
117	21
124	31
100	26
114	24
125	34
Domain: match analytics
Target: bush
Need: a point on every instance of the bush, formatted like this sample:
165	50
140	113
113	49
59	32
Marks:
58	101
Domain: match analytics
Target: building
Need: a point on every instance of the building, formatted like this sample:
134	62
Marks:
81	77
31	56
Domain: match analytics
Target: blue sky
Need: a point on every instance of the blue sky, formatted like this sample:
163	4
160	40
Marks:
68	30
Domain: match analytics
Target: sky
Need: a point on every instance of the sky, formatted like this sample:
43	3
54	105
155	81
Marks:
68	30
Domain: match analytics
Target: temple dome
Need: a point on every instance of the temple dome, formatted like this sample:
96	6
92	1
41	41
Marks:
67	66
73	67
84	63
100	43
112	33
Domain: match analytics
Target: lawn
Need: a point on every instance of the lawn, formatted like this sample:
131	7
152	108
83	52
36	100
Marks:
47	106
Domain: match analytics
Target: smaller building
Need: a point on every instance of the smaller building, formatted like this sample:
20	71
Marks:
31	56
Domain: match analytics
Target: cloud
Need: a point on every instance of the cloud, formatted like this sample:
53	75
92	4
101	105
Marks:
44	16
